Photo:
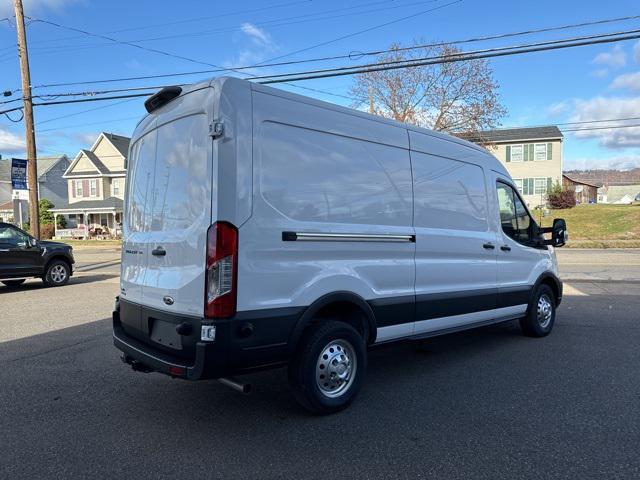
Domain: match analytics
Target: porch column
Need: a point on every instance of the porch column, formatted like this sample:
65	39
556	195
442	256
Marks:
55	224
115	225
85	217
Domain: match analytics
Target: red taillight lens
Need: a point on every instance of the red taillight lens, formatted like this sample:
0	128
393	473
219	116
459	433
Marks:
222	271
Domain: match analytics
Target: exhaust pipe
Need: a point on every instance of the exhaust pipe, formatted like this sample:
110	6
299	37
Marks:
237	385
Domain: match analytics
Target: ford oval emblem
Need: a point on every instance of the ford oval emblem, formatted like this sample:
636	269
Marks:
168	300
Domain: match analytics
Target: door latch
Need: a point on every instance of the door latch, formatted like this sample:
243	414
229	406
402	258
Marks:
216	129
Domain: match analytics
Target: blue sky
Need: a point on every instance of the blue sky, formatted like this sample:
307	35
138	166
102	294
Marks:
587	83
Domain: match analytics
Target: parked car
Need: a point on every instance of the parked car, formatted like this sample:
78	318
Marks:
22	256
265	229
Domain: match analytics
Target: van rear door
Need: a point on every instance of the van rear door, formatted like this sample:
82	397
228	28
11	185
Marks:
169	208
180	216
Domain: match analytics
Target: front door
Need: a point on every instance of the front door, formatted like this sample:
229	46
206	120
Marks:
518	250
17	256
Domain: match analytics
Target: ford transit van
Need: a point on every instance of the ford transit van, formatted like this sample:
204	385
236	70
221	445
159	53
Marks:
266	229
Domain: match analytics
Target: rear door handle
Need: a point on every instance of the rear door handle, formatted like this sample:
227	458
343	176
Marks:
489	246
505	248
159	252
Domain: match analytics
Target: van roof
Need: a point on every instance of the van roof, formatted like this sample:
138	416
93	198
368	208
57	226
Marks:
488	161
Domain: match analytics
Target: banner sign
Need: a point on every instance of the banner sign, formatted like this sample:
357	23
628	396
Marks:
19	174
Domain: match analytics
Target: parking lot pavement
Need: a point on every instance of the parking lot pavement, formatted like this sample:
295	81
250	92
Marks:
483	404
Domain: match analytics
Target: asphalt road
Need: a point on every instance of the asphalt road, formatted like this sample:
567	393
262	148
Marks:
484	404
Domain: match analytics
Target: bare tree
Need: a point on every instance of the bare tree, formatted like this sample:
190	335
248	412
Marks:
456	97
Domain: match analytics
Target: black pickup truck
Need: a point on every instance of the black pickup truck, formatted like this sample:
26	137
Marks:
22	257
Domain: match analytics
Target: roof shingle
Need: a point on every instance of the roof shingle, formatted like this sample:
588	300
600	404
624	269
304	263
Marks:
550	132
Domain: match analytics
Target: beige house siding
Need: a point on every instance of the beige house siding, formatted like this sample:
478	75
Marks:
86	182
532	169
84	165
109	155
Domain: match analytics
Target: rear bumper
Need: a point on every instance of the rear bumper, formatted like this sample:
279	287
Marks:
232	352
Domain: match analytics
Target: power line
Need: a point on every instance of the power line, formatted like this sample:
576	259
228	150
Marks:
461	57
86	111
588	129
351	55
88	124
189	20
359	32
278	22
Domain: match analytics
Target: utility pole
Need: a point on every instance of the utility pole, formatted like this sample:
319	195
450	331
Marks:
30	134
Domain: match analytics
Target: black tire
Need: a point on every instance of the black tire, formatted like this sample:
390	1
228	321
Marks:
541	314
13	283
305	367
54	276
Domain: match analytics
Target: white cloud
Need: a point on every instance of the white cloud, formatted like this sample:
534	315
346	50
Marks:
623	162
557	109
256	45
257	35
629	81
32	6
600	73
615	58
605	108
10	142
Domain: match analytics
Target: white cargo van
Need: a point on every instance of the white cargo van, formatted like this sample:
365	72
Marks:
264	228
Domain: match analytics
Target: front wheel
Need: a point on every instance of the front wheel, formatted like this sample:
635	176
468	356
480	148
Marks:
329	368
13	283
57	274
541	314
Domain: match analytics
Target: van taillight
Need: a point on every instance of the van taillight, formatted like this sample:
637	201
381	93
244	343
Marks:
222	271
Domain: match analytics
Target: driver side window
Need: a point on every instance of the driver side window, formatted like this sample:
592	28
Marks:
514	218
12	237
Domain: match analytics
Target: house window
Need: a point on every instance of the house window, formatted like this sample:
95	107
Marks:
79	192
541	151
517	153
540	185
93	188
518	183
116	186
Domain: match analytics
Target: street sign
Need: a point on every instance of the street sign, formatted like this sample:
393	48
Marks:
19	174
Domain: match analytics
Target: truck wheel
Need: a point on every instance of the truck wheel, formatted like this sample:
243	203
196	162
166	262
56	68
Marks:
541	314
57	274
329	367
13	283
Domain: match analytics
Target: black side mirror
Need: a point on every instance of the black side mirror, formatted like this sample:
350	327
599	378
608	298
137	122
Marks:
559	235
33	242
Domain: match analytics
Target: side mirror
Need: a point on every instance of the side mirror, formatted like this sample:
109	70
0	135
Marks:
33	242
559	235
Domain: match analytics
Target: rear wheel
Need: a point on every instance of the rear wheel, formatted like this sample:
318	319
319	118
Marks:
541	314
13	283
57	274
329	368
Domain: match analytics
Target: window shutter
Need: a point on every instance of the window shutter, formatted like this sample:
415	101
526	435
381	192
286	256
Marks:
549	183
525	186
549	150
73	189
508	153
531	153
85	188
98	182
526	152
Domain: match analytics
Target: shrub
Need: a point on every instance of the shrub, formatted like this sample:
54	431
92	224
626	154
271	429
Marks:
47	231
560	197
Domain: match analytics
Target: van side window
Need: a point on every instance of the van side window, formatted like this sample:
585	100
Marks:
515	220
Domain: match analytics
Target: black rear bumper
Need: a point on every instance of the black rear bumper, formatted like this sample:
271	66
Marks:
236	349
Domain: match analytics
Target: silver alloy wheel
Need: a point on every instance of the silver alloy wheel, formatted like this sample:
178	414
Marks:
336	368
58	273
545	310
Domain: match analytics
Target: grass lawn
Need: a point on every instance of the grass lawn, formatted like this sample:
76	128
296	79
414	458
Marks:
604	226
